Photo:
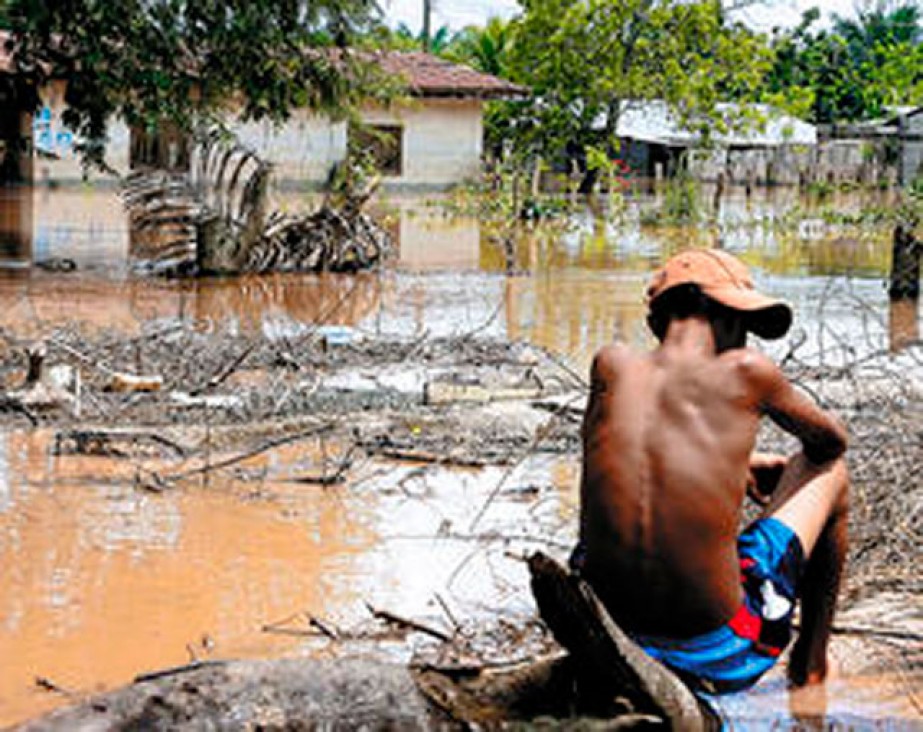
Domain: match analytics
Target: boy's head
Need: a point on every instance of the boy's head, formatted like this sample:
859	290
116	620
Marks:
718	286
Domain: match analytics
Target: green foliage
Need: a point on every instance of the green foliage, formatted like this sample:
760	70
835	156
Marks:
403	38
185	61
485	49
611	171
855	69
502	197
681	199
584	59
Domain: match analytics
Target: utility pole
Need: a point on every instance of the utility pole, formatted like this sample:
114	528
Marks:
427	13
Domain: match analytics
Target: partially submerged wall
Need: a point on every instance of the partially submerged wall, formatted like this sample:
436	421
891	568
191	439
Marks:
911	163
441	143
785	164
858	160
57	160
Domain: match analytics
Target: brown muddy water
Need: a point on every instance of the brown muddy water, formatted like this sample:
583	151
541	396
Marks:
101	582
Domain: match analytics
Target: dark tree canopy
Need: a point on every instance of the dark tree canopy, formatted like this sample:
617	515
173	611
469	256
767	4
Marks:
183	61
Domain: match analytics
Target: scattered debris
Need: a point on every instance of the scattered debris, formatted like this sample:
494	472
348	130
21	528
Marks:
215	220
129	382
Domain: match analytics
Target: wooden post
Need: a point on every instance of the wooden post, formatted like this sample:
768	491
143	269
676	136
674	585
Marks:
906	253
904	288
719	192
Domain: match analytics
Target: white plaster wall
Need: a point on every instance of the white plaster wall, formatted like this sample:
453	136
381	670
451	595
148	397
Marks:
443	139
56	158
442	143
302	150
418	231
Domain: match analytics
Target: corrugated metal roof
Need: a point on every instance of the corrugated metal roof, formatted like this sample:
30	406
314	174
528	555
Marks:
654	122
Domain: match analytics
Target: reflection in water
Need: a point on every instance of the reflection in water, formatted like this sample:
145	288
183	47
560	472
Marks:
35	305
808	706
101	583
15	226
874	700
903	324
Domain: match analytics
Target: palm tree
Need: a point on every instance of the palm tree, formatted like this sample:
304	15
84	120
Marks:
483	48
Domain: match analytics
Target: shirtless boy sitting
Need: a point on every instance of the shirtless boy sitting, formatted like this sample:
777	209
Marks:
668	458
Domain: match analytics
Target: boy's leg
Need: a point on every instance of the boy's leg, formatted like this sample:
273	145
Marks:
812	500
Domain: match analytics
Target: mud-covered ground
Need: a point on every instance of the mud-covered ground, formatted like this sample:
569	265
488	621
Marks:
180	400
204	400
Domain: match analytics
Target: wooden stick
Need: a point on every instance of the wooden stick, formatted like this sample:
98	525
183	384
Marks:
445	608
175	670
323	627
270	445
407	623
222	375
43	682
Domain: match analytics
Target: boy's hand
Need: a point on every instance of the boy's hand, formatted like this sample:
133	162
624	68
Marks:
765	472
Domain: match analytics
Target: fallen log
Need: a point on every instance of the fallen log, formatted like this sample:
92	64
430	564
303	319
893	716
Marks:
337	694
288	694
613	673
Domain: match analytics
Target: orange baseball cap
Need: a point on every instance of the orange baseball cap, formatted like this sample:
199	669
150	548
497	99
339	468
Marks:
726	279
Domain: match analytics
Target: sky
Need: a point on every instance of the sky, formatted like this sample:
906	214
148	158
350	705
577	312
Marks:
458	13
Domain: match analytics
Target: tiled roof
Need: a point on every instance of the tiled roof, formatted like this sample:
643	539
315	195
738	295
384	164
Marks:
429	76
425	75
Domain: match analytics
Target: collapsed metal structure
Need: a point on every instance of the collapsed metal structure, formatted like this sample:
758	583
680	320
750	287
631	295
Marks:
215	219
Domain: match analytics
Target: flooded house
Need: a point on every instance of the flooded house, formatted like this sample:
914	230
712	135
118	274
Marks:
910	133
888	149
758	144
433	139
430	138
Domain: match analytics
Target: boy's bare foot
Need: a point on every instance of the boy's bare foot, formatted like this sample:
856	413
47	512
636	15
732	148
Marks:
805	671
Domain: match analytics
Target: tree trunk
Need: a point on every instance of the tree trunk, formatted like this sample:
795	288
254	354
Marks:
906	252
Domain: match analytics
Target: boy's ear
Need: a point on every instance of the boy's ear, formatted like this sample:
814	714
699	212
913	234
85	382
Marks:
656	326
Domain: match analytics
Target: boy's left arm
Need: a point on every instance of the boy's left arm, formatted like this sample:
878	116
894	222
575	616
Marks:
765	471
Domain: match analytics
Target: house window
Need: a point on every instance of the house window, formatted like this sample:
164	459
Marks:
384	144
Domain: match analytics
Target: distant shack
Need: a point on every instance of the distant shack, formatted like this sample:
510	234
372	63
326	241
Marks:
765	146
757	145
880	151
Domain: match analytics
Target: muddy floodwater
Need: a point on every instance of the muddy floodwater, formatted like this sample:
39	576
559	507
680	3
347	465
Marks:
100	581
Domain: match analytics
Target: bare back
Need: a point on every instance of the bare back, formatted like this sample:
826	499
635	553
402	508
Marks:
667	441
